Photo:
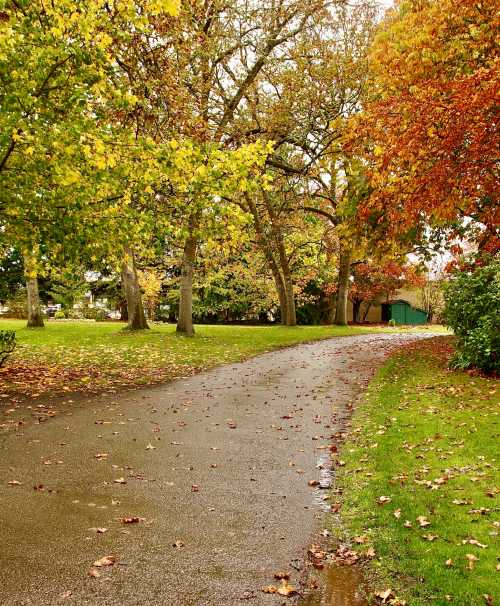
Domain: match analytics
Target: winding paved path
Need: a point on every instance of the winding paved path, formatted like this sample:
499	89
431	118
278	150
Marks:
218	463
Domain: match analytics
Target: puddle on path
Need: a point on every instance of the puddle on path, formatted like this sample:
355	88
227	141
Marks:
337	586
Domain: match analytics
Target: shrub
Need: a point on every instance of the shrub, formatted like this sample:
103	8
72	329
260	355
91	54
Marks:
472	310
59	315
7	344
392	322
18	305
100	315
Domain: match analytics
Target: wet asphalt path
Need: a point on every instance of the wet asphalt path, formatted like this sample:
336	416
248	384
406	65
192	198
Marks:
217	464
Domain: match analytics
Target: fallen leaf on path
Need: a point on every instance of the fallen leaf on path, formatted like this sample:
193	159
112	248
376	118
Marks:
285	589
14	483
66	594
281	575
270	589
120	481
313	483
178	544
132	520
94	573
105	561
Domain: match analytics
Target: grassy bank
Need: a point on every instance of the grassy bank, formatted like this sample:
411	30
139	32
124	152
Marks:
421	482
72	355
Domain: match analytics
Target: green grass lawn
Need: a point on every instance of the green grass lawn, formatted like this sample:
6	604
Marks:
421	482
74	355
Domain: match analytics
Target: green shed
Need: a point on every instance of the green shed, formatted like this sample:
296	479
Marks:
403	313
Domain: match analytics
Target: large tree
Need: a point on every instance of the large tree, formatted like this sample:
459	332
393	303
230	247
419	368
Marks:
430	131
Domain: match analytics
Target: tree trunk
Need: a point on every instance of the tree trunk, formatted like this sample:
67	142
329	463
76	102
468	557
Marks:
185	319
291	314
35	318
356	307
290	318
365	315
132	291
343	287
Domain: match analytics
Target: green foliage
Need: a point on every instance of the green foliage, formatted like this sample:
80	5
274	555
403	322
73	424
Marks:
7	344
59	315
100	315
69	289
472	310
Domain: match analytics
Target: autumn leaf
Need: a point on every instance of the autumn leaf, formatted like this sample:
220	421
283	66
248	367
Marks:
285	589
105	561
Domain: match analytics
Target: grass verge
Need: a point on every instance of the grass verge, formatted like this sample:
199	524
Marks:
70	356
421	482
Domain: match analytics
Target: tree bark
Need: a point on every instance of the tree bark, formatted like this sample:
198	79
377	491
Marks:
343	287
280	270
290	316
365	315
185	318
356	308
132	291
35	318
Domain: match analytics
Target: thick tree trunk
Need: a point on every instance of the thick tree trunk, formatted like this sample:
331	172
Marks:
185	318
35	318
132	291
343	287
291	314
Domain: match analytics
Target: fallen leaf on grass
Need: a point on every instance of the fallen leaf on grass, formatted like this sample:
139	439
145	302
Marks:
383	500
471	559
474	542
370	552
384	595
449	562
361	539
423	521
430	537
397	513
105	561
